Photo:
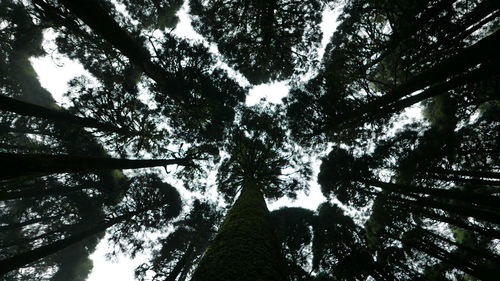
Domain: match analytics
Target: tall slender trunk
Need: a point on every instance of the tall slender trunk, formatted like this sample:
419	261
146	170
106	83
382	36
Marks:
482	200
23	259
39	193
477	270
425	17
19	165
462	223
465	173
461	210
25	240
27	222
185	270
57	115
482	73
470	181
246	247
483	51
181	263
92	13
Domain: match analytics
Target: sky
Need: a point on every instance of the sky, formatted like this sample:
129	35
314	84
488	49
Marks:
55	70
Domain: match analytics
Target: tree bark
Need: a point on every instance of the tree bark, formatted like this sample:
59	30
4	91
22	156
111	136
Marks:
20	165
246	247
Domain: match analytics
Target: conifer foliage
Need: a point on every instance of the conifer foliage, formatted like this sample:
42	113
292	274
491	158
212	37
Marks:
153	151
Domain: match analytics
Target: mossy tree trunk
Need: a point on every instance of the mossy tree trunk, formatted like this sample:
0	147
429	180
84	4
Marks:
246	247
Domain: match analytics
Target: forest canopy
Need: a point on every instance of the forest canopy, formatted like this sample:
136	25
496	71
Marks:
154	152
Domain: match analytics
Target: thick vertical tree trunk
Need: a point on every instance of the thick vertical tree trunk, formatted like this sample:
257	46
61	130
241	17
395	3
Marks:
19	165
246	247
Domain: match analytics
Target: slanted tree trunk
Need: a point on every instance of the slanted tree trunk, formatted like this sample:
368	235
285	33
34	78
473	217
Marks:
477	270
57	115
483	51
464	173
23	259
246	247
482	200
27	222
461	210
482	73
92	13
19	165
38	193
181	263
458	222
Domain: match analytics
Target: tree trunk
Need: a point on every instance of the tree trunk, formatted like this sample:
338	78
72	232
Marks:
246	247
470	181
92	14
19	165
27	222
181	263
482	200
482	51
56	115
461	210
39	193
425	17
492	233
23	259
480	74
456	261
464	173
25	240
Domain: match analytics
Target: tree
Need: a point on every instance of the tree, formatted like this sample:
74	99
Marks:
264	40
386	57
255	166
181	249
293	227
140	209
198	97
407	197
21	165
24	108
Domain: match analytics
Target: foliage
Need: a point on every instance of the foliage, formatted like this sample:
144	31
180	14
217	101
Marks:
403	109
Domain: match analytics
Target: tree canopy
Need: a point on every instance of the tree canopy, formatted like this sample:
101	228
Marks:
152	150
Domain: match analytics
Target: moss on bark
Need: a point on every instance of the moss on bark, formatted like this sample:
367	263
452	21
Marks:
246	247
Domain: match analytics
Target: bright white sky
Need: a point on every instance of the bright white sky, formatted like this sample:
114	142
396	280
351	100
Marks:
55	71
